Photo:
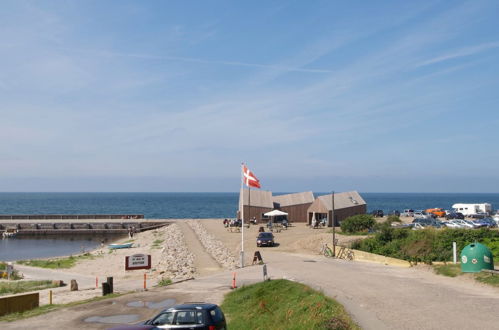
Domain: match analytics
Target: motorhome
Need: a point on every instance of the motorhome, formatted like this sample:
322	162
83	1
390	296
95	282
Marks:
472	209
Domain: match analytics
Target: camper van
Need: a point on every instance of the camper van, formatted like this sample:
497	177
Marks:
472	209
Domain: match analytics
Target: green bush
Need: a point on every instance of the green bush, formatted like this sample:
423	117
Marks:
358	223
426	245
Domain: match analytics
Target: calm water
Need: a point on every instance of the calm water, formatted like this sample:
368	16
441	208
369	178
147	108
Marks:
201	205
42	247
171	205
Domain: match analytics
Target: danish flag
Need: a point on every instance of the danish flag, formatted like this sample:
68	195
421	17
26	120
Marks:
249	178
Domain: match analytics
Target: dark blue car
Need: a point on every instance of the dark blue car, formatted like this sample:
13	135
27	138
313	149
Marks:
195	316
265	239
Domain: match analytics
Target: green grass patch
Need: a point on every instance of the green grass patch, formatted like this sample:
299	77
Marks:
282	304
157	243
24	286
451	270
164	282
49	308
57	263
3	272
487	278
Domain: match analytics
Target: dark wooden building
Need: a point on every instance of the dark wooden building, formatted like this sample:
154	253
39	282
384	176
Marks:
255	203
346	204
296	205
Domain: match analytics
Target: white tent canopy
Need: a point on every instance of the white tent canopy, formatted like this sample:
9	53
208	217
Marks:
275	213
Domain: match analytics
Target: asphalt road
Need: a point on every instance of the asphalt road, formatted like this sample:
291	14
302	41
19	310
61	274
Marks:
377	296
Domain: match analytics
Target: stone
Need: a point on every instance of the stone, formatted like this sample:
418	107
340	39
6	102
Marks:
74	285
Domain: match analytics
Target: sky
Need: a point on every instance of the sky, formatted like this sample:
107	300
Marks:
374	96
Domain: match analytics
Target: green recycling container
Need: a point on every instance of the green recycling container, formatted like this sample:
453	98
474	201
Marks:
475	257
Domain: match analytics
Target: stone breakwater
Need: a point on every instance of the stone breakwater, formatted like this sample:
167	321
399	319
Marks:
176	261
213	246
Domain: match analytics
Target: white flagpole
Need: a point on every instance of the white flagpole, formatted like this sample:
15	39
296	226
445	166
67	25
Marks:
242	217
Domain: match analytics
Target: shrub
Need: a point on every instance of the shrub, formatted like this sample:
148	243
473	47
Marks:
425	245
358	223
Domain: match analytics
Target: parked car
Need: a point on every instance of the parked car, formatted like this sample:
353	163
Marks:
418	226
408	213
438	212
428	222
395	212
199	316
378	213
265	238
485	222
453	224
454	215
422	215
478	215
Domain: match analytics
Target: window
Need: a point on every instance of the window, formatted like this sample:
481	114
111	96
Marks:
164	318
189	317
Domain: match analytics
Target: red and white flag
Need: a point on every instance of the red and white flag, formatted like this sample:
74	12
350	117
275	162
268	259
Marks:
249	178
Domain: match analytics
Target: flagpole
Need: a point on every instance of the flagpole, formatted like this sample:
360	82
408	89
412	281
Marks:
242	217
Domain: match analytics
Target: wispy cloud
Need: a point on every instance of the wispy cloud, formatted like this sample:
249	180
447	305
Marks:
462	52
202	61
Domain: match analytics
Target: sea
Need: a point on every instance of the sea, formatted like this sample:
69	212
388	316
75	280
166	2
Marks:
172	206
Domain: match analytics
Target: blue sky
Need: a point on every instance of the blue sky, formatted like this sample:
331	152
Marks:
395	96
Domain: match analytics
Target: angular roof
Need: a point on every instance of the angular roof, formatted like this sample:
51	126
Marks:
342	200
259	198
294	199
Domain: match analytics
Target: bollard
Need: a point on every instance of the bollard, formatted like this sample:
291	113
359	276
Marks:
105	288
234	280
265	276
111	285
50	297
96	282
145	281
454	252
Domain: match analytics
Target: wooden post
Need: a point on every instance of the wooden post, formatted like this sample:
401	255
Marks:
50	297
334	224
145	281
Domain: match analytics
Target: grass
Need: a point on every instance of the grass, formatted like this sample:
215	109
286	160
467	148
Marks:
24	286
49	308
156	244
282	304
57	263
164	282
3	272
487	278
451	270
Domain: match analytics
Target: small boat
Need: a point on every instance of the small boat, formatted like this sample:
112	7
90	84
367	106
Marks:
9	233
120	246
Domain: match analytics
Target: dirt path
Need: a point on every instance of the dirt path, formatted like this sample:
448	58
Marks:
203	262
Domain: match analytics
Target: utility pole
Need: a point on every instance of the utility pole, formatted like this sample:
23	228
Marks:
334	224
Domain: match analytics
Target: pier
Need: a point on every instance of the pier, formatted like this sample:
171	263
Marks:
68	224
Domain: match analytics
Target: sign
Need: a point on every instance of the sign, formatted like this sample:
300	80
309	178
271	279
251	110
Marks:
138	261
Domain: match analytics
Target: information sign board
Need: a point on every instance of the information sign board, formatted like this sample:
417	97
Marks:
138	261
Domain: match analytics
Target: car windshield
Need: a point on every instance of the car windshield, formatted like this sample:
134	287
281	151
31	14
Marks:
265	235
163	318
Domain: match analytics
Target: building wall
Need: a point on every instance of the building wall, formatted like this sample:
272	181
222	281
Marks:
296	213
342	214
255	211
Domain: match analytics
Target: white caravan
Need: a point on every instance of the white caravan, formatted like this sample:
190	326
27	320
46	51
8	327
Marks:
471	209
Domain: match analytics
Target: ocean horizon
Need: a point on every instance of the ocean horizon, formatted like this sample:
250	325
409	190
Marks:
179	205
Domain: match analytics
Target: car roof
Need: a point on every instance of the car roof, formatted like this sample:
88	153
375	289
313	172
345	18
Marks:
193	305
